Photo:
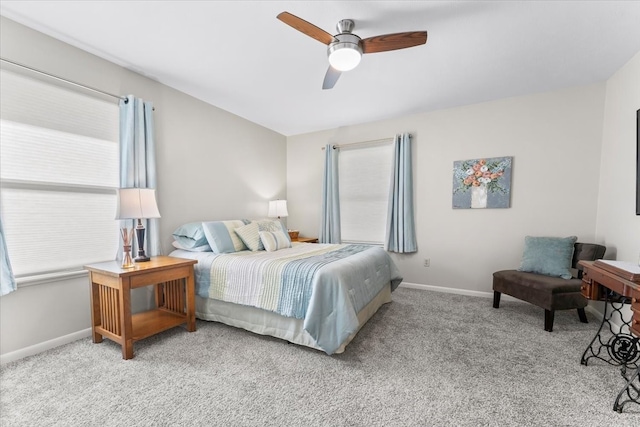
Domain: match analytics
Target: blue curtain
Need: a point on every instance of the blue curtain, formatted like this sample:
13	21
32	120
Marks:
401	233
330	226
7	281
138	160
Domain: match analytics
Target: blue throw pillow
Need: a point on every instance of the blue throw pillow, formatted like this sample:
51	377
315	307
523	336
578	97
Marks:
190	235
550	256
221	235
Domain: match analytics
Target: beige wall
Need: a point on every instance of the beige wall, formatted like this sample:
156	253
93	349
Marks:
211	165
617	225
555	140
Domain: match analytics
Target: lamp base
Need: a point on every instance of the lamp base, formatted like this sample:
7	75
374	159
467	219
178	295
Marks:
142	257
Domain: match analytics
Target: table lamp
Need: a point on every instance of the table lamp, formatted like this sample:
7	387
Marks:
138	203
278	208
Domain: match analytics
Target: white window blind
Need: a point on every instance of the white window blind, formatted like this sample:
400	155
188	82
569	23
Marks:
58	175
364	179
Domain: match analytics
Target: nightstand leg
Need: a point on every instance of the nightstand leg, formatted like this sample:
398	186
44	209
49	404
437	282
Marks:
125	319
96	318
191	303
127	349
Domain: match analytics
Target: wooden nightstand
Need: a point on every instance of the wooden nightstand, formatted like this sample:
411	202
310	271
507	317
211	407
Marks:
306	240
173	281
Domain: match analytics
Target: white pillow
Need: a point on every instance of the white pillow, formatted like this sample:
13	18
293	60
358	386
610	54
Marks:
204	248
274	240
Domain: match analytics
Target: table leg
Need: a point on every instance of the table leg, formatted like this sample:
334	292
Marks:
96	318
125	319
631	388
159	294
615	348
191	303
127	349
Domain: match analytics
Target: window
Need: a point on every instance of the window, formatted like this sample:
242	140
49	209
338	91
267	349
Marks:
58	175
364	179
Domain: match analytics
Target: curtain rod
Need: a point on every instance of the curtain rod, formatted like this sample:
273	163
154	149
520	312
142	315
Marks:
363	142
124	98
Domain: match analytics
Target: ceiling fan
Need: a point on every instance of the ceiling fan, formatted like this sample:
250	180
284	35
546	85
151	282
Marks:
346	49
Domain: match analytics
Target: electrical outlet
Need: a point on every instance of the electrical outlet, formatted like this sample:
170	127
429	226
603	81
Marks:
427	262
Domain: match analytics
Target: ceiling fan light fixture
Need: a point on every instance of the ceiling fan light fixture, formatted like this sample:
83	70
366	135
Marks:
345	53
344	58
345	49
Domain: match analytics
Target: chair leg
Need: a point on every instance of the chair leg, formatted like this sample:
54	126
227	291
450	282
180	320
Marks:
496	299
548	320
582	315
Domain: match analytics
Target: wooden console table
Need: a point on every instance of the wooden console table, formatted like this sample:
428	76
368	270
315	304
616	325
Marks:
605	282
173	282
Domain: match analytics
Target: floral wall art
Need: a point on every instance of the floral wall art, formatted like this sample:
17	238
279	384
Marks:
482	183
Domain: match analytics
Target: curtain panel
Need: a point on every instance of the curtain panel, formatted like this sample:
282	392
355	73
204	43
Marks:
401	234
330	217
138	161
7	281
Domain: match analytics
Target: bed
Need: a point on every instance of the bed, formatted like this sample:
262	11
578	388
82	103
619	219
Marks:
315	295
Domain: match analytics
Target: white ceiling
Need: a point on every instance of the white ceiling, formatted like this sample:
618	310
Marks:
237	56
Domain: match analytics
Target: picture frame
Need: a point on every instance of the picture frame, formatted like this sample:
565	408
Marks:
482	183
638	162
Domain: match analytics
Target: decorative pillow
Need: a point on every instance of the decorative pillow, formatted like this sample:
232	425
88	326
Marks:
275	240
203	248
190	235
221	235
550	256
250	232
270	225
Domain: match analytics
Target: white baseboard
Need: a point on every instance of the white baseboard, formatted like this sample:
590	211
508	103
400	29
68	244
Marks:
504	297
616	324
593	311
456	291
43	346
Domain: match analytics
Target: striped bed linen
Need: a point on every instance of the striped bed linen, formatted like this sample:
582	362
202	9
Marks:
323	284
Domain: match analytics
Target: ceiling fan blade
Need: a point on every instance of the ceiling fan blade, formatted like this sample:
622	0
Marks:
306	27
330	78
394	41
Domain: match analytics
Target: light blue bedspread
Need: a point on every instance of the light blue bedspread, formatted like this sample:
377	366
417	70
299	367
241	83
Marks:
326	284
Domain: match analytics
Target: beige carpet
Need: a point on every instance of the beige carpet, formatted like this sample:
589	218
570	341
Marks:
426	359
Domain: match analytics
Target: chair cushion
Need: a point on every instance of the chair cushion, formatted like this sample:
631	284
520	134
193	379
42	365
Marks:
550	293
539	282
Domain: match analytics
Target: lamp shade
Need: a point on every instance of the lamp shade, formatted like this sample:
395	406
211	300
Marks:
278	208
346	52
136	203
344	57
